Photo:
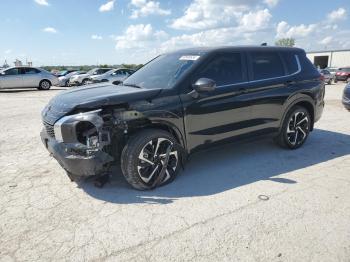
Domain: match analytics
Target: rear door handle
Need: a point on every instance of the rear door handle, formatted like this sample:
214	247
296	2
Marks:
242	90
290	82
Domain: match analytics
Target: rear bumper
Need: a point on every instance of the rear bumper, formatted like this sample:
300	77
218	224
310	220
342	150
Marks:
75	158
341	78
319	110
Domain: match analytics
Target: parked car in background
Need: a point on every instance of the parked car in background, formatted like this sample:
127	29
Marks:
343	74
327	76
64	72
179	103
114	76
22	77
346	97
64	80
83	79
332	70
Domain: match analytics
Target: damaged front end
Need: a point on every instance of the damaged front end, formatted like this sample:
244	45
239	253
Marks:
80	143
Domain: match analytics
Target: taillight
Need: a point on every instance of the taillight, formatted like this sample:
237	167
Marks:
322	77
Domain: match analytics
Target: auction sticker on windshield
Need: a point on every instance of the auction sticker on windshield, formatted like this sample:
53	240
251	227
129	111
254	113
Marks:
189	57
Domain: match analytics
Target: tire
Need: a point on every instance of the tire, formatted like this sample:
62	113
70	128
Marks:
44	85
335	81
292	134
85	81
140	164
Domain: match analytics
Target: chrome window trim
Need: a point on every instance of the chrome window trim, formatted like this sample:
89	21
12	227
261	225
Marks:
272	78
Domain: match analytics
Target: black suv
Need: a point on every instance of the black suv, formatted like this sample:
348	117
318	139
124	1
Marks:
181	102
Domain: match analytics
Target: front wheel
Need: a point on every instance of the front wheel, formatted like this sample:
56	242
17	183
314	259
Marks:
295	129
150	159
44	85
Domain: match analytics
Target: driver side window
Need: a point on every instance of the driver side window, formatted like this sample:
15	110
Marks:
224	69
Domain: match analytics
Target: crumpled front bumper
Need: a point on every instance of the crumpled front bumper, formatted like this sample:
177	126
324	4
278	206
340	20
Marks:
74	159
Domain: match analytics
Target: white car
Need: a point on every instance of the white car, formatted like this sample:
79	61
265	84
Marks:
83	79
114	76
23	77
64	80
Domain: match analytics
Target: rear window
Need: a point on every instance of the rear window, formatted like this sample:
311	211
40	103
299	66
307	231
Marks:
291	62
266	65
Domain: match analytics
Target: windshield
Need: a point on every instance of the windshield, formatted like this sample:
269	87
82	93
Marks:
162	72
62	73
92	71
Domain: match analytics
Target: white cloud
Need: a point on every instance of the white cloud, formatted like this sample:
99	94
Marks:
285	30
208	14
146	8
42	2
109	6
96	37
139	36
337	15
271	3
250	30
8	51
50	30
254	21
327	40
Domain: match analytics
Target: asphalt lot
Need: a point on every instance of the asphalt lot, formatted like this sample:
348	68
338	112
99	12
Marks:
243	202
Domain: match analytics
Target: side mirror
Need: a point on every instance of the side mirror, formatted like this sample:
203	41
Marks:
203	85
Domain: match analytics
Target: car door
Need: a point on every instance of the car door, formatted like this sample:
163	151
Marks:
271	74
223	113
31	77
11	78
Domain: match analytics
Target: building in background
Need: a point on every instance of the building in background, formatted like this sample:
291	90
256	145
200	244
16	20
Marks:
330	58
18	62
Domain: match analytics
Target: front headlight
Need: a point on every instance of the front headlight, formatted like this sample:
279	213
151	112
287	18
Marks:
78	127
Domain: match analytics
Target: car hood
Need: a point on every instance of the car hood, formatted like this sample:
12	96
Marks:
93	97
97	77
80	76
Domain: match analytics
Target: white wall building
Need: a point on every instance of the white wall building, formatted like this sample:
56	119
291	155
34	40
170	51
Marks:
330	58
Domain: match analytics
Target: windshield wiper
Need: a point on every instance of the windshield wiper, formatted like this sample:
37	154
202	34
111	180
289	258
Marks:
132	85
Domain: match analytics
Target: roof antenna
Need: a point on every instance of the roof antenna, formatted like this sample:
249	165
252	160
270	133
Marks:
264	44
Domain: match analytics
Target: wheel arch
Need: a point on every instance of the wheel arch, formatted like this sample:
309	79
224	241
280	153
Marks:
305	101
166	126
45	79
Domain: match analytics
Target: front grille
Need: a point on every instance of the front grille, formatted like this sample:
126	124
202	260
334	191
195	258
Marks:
49	130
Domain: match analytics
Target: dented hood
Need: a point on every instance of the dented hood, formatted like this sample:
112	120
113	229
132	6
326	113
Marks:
93	97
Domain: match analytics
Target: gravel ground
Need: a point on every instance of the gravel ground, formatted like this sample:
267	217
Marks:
243	202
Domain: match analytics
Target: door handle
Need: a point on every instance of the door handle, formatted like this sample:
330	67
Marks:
242	91
289	82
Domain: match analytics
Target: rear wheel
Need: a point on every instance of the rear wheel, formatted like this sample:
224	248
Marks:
295	129
150	159
85	81
44	85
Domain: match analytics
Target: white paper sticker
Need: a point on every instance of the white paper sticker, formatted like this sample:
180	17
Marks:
189	57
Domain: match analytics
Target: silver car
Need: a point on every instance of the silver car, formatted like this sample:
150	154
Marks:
83	79
326	75
22	77
112	76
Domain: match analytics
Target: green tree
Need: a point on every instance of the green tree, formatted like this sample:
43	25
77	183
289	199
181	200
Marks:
289	42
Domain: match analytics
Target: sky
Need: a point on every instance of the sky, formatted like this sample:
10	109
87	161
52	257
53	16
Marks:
87	32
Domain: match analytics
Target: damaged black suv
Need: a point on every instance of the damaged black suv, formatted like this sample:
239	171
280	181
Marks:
181	102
